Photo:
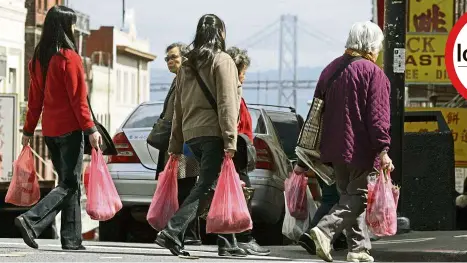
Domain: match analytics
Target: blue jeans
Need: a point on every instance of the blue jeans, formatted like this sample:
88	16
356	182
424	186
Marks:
329	197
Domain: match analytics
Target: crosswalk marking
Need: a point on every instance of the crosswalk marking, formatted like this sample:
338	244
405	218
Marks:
401	241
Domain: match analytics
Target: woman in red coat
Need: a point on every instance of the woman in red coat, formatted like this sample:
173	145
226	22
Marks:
58	92
241	59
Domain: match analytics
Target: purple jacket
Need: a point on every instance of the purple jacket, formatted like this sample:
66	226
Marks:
357	114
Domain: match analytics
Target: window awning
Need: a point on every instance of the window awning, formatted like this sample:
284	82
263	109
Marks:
134	52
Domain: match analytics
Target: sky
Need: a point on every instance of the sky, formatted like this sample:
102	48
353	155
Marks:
322	28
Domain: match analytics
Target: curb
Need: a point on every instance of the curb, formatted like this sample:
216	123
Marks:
419	256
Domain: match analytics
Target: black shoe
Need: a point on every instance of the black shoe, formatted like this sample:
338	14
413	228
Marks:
192	241
228	248
80	247
167	243
26	232
232	252
307	243
254	248
340	243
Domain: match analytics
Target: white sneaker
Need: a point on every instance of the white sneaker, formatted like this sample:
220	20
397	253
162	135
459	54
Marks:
362	256
322	243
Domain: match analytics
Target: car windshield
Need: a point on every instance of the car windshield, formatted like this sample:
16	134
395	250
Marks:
144	116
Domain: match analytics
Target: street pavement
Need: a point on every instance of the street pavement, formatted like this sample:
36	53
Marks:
411	247
13	250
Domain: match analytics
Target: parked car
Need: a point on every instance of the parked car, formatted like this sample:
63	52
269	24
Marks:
133	172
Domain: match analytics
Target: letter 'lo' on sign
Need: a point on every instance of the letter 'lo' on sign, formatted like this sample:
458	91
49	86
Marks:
456	55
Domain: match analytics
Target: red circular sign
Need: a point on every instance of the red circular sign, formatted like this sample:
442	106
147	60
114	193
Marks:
452	43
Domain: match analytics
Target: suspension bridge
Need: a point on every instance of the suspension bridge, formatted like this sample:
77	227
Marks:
284	31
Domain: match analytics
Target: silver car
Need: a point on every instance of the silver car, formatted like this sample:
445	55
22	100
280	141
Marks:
133	171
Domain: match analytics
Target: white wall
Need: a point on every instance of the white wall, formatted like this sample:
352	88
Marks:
131	79
12	22
103	83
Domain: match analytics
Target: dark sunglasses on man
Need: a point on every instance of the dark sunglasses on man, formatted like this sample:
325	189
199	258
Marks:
168	58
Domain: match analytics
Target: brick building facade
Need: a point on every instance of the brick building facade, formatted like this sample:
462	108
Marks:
37	10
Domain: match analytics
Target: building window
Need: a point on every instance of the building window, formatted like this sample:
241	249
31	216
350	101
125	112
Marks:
119	86
134	89
46	5
12	81
126	89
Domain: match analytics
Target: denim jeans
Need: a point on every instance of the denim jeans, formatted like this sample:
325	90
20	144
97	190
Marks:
329	197
209	151
67	158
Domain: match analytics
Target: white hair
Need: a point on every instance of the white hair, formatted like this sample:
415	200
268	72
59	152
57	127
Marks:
365	37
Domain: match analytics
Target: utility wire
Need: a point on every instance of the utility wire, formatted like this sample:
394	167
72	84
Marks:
261	39
319	32
257	34
320	38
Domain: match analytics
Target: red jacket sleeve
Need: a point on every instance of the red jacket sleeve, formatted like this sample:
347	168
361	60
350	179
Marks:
77	92
35	100
245	124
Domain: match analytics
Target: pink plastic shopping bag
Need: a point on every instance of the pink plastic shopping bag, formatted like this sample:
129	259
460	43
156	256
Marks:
165	200
381	213
24	187
103	200
229	212
295	193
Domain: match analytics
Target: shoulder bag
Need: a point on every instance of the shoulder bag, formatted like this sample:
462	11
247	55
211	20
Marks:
309	140
159	136
107	147
245	159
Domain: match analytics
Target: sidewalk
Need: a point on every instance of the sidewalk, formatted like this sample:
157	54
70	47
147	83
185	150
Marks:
436	246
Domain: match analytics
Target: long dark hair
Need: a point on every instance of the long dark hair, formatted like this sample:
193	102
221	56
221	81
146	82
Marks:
57	33
208	40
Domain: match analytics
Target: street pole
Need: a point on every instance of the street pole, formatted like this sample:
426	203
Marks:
394	67
123	13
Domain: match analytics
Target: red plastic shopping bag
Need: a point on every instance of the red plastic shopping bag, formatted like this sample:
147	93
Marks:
103	200
165	200
24	187
87	171
381	213
229	212
295	193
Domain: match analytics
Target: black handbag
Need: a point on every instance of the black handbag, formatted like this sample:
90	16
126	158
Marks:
245	158
107	147
159	136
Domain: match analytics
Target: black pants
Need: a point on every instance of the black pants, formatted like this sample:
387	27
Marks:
67	158
185	186
209	151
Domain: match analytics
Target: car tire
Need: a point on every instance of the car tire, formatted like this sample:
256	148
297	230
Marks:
115	229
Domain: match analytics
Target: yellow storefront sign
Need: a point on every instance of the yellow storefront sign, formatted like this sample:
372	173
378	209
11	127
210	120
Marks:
456	118
428	25
430	16
425	58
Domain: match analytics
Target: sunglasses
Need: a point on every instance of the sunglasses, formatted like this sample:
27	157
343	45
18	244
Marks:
168	58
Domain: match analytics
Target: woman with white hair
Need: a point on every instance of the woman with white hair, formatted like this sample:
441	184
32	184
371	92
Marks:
355	137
